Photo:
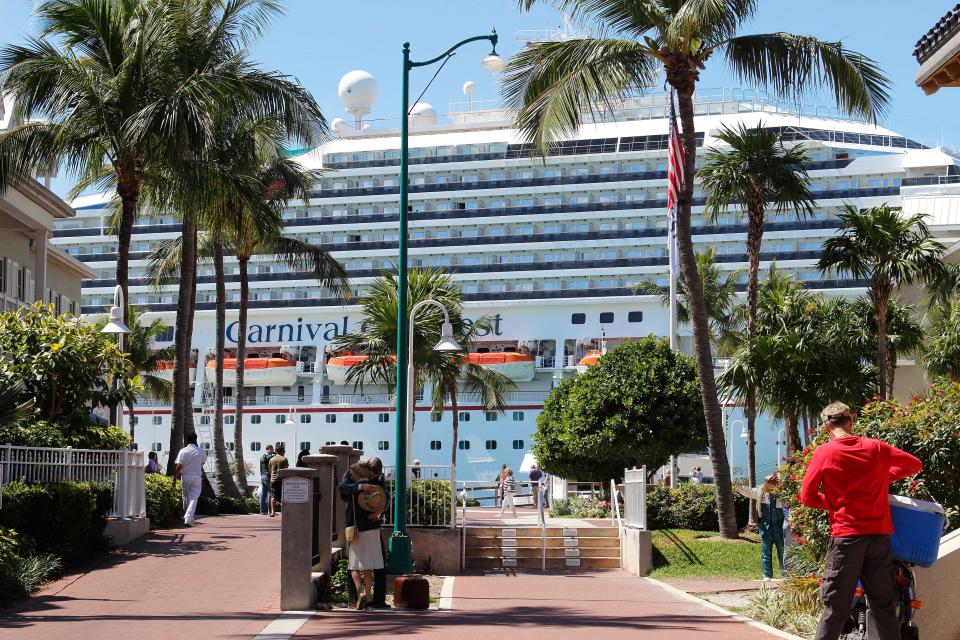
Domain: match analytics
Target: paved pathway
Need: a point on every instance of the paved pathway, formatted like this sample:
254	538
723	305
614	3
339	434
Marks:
598	606
219	579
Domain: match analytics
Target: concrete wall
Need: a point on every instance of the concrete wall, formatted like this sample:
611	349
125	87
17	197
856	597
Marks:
636	551
441	545
939	589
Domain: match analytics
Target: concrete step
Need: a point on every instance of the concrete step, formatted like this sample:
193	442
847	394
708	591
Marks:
535	563
534	552
558	543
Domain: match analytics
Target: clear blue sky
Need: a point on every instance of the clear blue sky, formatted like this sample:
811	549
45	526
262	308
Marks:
318	41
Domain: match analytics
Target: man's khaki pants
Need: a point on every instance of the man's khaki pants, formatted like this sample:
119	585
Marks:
866	559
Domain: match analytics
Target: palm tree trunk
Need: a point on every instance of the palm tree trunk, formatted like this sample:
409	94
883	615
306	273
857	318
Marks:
128	189
182	339
241	473
793	434
698	316
881	303
754	244
222	465
133	425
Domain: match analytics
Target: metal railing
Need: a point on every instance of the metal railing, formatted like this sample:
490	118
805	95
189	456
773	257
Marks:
635	498
122	469
431	496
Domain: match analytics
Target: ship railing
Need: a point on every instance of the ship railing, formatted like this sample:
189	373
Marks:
306	367
122	470
431	499
545	362
570	361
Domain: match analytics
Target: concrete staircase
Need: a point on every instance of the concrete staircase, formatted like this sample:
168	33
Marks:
525	548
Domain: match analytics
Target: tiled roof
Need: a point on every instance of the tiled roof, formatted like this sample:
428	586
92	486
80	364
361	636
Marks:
933	39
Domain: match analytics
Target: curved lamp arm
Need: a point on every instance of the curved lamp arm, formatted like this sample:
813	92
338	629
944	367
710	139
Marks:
492	37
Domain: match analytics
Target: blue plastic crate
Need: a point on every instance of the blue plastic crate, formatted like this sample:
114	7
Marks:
917	528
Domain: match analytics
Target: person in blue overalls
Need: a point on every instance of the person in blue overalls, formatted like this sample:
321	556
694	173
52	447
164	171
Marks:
771	523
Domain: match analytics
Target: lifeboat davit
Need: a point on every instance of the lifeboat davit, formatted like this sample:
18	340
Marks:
164	371
257	371
520	367
591	358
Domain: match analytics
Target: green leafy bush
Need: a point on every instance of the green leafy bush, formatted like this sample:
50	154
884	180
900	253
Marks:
208	506
164	505
41	433
794	607
65	518
926	428
689	506
580	507
638	406
428	502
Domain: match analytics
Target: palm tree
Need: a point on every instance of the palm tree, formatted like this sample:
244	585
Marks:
145	359
81	88
940	353
720	295
904	332
755	169
888	249
445	371
554	85
805	353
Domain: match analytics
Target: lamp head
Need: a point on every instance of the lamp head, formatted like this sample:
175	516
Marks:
493	62
289	422
116	323
447	341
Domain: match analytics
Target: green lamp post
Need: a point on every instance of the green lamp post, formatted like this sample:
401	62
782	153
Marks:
401	559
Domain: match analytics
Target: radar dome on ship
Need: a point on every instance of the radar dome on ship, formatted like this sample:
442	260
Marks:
357	91
423	115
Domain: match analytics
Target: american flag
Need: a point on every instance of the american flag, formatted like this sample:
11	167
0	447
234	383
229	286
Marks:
674	184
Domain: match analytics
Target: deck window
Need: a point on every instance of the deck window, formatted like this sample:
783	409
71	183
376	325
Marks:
330	418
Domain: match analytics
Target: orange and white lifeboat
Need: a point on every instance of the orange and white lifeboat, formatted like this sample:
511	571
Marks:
257	371
520	367
591	358
339	366
164	370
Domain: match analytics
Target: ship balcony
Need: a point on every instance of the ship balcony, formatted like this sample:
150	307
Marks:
544	363
361	400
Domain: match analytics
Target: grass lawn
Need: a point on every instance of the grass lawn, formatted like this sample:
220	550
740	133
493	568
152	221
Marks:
681	553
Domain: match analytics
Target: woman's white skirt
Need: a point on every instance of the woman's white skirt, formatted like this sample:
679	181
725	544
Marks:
365	553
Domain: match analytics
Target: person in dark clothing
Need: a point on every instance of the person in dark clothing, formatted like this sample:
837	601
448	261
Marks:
850	478
375	477
303	452
365	554
265	480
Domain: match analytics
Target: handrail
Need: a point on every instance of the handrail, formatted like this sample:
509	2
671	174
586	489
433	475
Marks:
615	505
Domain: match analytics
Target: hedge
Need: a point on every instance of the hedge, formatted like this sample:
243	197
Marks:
164	505
689	506
64	518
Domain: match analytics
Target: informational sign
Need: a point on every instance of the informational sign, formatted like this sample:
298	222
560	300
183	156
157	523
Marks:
296	490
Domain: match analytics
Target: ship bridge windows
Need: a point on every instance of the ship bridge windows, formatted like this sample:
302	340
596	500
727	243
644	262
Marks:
606	317
635	316
578	318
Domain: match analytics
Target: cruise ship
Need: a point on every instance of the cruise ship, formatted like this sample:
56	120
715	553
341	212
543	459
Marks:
550	249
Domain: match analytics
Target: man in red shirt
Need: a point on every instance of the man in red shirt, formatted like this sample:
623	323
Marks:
850	477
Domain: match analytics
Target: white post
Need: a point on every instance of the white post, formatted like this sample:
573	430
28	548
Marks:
453	497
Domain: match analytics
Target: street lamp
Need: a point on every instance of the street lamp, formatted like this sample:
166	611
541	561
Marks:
289	422
116	325
401	560
743	434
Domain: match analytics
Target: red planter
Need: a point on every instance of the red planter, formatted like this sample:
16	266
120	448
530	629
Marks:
411	592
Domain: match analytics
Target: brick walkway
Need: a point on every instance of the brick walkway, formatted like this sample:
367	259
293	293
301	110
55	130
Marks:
219	579
594	606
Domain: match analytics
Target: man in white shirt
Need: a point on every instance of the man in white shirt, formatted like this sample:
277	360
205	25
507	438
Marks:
189	469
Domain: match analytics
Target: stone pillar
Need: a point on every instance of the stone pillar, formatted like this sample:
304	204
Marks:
297	592
342	452
327	504
355	455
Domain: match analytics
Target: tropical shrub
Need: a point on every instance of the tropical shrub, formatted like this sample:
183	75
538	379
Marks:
42	433
428	502
689	507
794	607
580	507
927	427
637	406
20	571
64	518
164	506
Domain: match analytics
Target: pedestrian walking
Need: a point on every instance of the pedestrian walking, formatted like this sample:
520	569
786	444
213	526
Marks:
153	465
771	522
535	477
265	480
850	478
498	492
509	493
189	469
277	462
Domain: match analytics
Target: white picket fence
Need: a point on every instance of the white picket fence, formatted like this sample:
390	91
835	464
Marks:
635	498
122	469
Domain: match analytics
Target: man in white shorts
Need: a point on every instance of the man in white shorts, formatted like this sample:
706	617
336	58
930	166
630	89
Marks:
189	469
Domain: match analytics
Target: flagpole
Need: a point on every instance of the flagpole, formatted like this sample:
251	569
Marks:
675	168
